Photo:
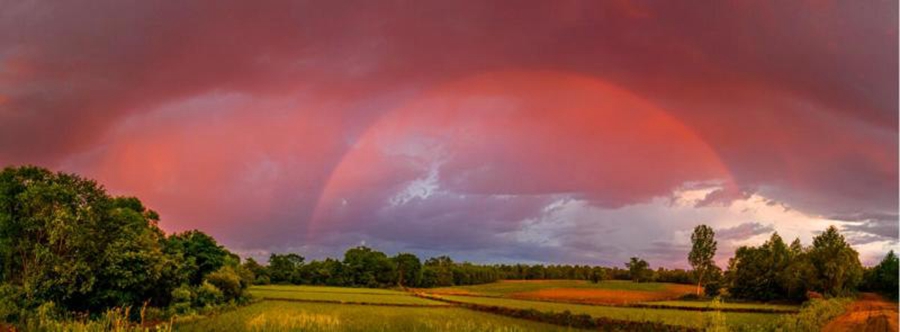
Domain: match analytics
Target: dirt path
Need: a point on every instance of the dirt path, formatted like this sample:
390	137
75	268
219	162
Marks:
870	313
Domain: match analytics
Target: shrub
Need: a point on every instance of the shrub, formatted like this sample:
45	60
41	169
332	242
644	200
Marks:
262	280
712	289
813	316
227	281
182	299
10	302
208	295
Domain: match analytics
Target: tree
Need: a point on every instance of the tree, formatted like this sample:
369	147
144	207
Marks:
368	268
409	269
597	275
440	271
283	268
702	252
639	270
837	265
753	272
201	253
882	278
64	239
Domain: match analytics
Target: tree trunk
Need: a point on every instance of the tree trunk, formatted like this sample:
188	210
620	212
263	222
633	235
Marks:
699	281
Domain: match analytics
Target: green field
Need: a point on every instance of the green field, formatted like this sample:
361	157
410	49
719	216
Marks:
509	287
668	316
727	305
338	294
296	316
304	308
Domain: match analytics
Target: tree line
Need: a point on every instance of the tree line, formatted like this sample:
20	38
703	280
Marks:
776	271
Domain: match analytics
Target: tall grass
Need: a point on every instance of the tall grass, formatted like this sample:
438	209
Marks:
49	319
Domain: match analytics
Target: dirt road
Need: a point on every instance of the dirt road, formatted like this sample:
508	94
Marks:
870	313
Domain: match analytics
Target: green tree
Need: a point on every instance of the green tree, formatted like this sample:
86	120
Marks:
837	265
409	269
703	251
63	239
882	278
639	270
368	268
201	253
283	268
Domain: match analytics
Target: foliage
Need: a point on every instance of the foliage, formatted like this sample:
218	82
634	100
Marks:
764	273
882	278
703	250
284	268
836	264
639	270
63	239
228	281
369	268
202	255
409	269
207	295
813	316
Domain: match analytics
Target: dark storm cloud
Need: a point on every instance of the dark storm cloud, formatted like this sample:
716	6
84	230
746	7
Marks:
233	117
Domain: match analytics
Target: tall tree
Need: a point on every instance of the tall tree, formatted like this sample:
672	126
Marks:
882	278
639	269
409	269
702	252
836	263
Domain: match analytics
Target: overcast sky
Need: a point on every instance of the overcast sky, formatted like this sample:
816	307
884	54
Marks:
493	131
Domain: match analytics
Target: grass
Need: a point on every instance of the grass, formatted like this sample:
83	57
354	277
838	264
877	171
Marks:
507	287
297	316
727	305
668	316
338	295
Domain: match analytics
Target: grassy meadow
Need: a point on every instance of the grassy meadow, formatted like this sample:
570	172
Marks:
339	295
316	308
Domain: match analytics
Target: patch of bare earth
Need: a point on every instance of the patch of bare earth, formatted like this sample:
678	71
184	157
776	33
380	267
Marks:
871	313
604	296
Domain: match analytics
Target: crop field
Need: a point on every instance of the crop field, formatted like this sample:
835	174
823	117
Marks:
725	306
575	291
339	295
314	308
297	316
668	316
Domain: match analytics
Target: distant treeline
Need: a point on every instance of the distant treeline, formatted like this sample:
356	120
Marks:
365	267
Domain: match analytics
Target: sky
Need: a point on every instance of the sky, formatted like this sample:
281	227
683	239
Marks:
581	132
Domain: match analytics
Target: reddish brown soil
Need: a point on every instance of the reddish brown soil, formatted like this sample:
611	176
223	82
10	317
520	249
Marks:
604	296
871	313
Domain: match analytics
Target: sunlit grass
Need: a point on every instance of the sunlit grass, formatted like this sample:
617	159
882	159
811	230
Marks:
668	316
297	316
338	294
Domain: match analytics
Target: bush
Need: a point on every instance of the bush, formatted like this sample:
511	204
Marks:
182	299
712	289
208	295
10	302
227	281
814	315
262	280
